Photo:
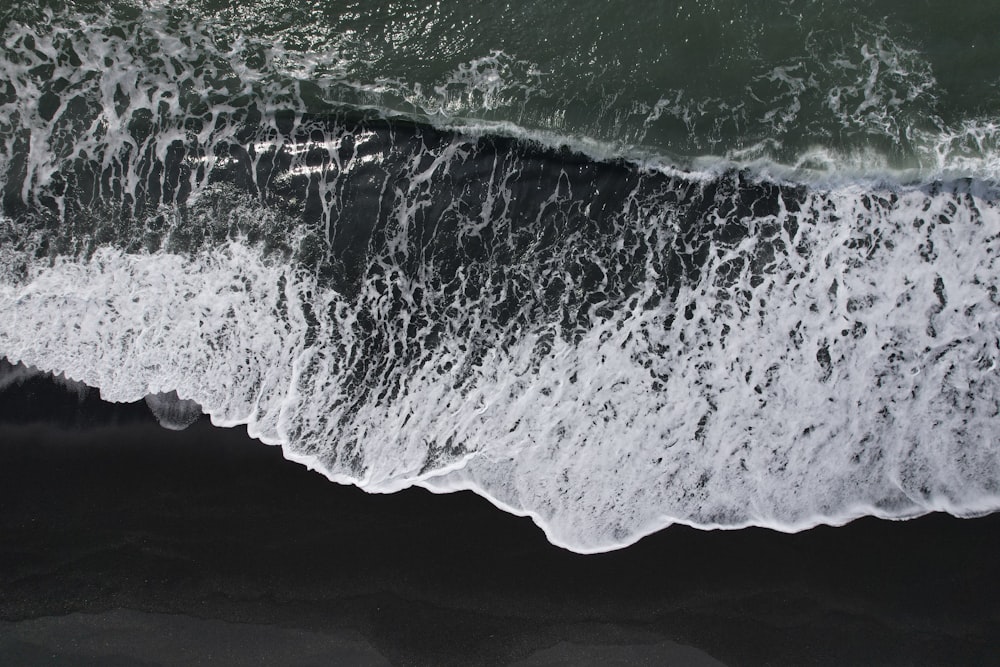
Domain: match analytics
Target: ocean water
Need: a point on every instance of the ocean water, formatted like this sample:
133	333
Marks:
611	265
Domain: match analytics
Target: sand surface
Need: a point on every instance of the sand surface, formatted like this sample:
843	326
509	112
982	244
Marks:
124	543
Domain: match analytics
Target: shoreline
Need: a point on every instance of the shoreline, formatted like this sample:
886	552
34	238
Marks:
206	533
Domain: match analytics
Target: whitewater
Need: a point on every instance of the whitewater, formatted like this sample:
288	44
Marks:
591	323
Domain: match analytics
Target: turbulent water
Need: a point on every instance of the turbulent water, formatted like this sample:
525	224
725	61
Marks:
613	265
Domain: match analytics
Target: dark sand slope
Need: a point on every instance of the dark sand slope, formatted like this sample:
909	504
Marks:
124	543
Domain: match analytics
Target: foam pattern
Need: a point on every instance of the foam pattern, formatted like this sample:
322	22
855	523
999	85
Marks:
609	346
142	76
673	361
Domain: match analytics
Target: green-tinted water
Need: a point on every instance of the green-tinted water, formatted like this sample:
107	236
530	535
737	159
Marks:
828	85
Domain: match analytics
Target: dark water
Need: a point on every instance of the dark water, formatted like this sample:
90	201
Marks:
906	84
612	267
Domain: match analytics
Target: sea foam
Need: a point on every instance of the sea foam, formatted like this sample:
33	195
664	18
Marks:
417	283
832	361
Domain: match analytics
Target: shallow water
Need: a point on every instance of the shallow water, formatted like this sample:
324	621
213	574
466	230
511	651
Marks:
612	267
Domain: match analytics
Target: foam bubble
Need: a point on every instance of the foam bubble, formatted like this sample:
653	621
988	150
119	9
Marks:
173	412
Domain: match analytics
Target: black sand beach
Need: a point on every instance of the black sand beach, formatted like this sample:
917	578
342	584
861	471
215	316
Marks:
124	543
609	261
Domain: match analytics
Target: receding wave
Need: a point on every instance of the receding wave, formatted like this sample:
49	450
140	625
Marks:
588	333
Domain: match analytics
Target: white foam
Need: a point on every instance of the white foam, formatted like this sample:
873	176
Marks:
838	360
856	378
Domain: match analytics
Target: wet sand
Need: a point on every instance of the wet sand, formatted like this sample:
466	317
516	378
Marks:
124	543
